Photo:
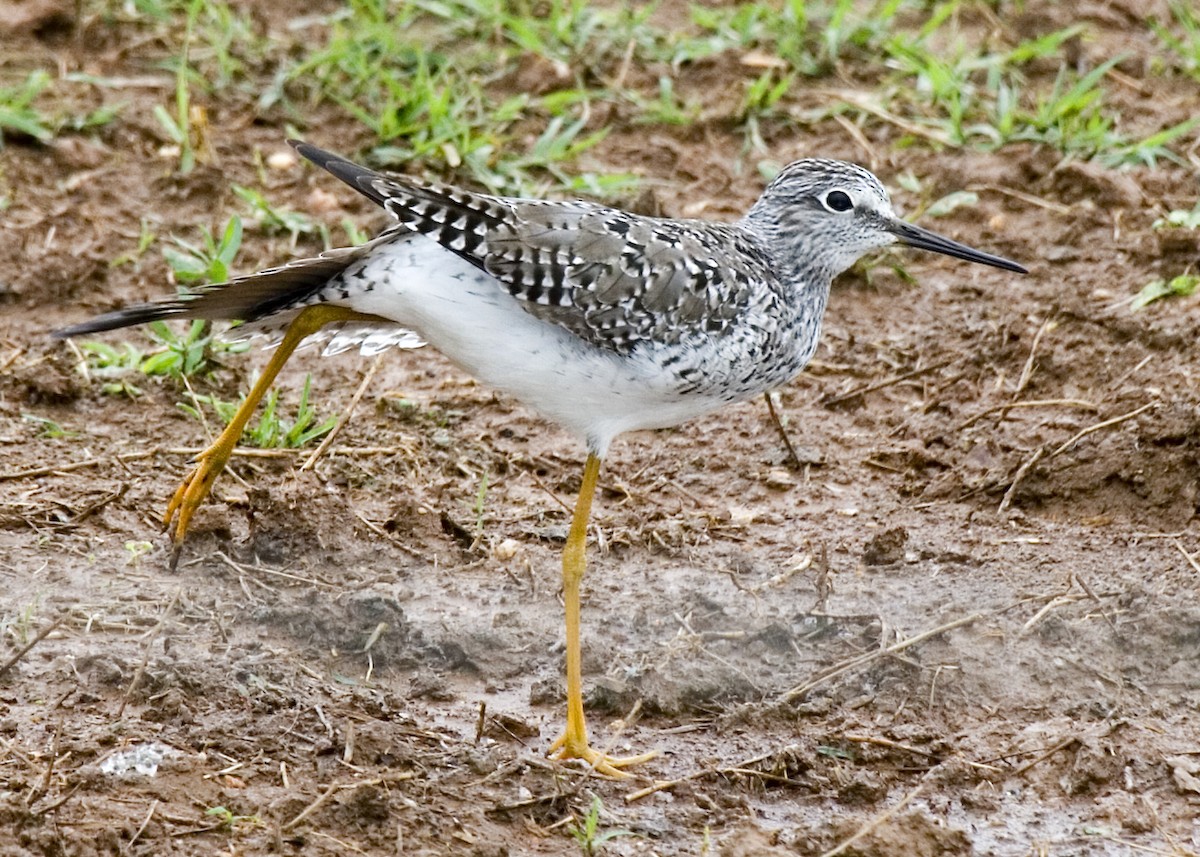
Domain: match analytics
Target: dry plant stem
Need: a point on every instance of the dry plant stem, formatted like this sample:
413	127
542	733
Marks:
1019	476
1034	403
889	382
190	451
1050	606
1027	371
312	807
856	134
388	537
51	807
877	820
24	650
695	775
1040	452
327	441
1191	561
1092	595
1024	197
880	741
12	358
783	432
799	691
242	568
44	786
150	638
145	823
35	472
868	104
324	797
1061	745
1082	433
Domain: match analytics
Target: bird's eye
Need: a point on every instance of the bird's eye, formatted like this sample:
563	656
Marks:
838	200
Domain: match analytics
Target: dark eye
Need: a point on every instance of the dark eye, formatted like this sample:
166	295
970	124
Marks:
838	200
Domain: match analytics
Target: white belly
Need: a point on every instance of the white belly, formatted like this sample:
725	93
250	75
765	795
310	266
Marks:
468	316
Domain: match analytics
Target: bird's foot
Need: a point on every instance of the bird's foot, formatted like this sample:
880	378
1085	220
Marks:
191	493
565	749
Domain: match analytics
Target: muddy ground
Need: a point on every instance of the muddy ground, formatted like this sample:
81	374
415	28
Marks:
965	621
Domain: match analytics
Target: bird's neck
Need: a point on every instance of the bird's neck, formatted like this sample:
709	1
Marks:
804	271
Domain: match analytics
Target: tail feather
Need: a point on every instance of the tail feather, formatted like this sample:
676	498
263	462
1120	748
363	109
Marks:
274	290
247	298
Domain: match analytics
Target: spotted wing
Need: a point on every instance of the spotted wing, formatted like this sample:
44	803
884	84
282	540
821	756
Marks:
610	277
616	278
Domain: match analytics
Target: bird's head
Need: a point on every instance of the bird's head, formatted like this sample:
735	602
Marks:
828	214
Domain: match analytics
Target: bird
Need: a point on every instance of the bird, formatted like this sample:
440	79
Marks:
602	320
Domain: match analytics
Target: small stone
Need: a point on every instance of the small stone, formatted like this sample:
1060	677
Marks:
886	548
322	202
780	480
506	550
741	515
282	159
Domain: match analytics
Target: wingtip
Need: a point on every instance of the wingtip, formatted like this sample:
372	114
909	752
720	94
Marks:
304	148
357	176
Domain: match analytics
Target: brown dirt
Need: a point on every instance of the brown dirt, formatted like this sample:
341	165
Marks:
360	633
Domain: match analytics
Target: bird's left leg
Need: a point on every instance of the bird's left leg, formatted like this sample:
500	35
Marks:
212	460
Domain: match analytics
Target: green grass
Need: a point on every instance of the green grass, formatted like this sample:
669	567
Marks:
228	819
178	126
19	625
1180	35
272	430
1180	219
190	354
209	260
18	113
272	219
587	833
432	83
48	428
1183	285
146	238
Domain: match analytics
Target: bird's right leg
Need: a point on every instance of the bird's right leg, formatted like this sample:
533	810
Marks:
573	744
212	460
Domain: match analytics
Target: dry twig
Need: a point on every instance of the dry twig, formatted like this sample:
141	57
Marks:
888	382
345	416
801	690
879	819
1082	433
150	638
41	635
324	797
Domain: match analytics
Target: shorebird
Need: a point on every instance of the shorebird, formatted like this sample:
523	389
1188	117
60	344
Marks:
602	320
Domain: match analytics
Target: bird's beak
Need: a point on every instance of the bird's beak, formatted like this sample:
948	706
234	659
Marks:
915	236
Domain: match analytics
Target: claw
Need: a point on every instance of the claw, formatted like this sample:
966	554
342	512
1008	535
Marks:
191	493
209	463
563	750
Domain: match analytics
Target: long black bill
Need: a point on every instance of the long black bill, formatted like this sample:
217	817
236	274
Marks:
915	236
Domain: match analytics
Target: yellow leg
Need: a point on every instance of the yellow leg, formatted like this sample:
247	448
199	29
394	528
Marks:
574	742
212	460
